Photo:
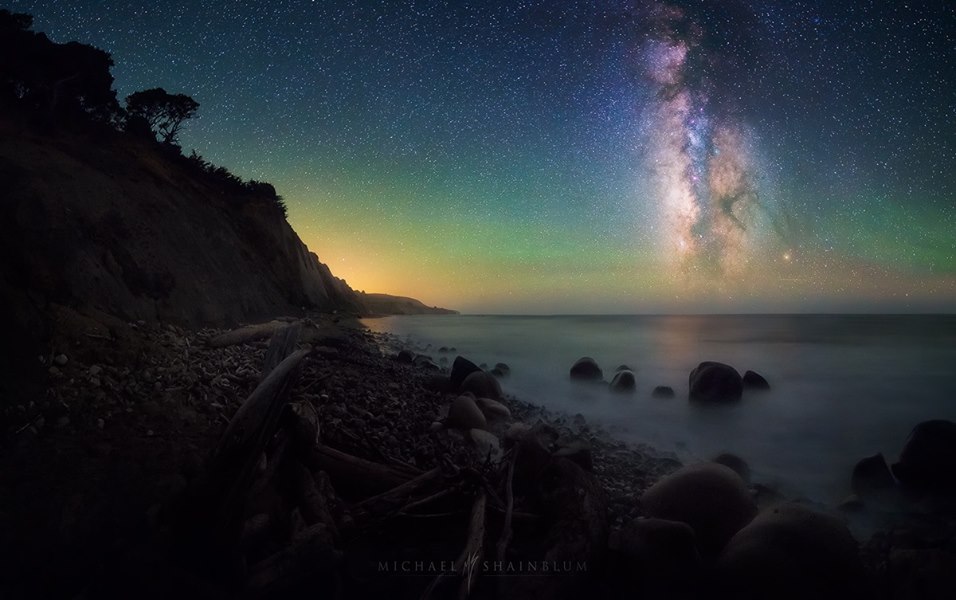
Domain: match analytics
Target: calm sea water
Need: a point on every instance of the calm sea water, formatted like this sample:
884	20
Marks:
844	386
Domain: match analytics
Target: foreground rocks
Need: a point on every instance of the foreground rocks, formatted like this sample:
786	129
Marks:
711	498
377	459
792	552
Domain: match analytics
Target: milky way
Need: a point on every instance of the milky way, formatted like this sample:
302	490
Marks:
699	155
577	156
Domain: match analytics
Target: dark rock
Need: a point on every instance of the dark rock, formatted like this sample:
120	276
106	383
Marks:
577	451
711	498
739	465
715	382
586	369
503	369
461	368
427	365
406	356
851	503
438	383
928	574
486	444
493	409
928	459
443	349
482	385
755	381
423	358
623	382
657	558
663	391
791	552
623	368
871	476
464	413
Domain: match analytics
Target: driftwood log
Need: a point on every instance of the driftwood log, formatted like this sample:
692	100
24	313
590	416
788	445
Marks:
208	529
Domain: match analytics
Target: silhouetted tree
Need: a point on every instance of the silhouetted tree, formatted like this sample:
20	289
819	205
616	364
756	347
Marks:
160	112
63	82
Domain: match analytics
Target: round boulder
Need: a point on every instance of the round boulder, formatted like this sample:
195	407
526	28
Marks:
663	391
586	369
482	385
871	476
715	382
657	553
755	381
501	370
791	552
405	356
711	498
492	409
928	459
464	413
739	465
461	368
623	382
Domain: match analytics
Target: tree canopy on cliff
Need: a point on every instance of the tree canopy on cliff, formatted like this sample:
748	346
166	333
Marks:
55	82
163	113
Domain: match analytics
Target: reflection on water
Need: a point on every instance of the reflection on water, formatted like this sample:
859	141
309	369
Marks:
844	386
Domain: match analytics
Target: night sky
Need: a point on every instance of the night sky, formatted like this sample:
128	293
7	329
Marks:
554	157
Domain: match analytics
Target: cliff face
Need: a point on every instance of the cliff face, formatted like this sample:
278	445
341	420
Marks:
112	225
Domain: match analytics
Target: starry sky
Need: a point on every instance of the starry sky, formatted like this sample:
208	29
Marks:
578	157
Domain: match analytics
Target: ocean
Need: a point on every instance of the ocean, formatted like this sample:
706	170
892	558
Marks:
843	386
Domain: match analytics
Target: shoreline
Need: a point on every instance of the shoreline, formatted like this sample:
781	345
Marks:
130	417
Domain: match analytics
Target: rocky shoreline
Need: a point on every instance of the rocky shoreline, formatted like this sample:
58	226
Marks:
373	483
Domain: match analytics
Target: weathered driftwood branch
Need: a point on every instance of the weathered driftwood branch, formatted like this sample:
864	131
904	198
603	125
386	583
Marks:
468	563
312	504
505	538
212	519
358	473
249	333
448	491
393	497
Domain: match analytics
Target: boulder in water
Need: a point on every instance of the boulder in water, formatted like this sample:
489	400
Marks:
623	382
928	459
663	391
586	369
791	552
755	381
405	356
871	476
711	498
715	382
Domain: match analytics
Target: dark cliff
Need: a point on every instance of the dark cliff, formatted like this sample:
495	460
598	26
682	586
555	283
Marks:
112	224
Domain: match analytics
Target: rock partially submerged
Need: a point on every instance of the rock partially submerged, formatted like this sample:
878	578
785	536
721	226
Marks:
755	381
663	391
586	369
928	459
623	382
715	382
872	477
